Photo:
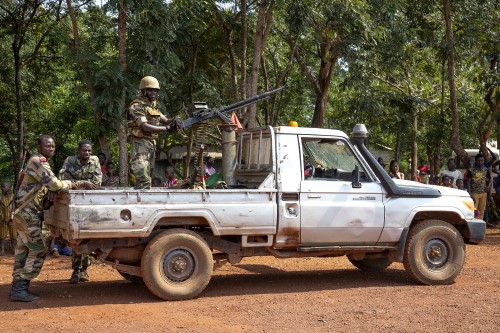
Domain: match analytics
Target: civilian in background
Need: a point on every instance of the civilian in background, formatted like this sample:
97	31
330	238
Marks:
479	184
452	172
394	170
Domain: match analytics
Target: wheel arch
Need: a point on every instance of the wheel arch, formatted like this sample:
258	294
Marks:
419	215
184	217
450	215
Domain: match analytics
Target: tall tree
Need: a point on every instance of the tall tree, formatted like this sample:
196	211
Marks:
88	78
122	61
262	28
455	117
324	31
29	23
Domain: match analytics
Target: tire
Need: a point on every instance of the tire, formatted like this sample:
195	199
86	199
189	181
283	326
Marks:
371	263
132	278
177	264
434	253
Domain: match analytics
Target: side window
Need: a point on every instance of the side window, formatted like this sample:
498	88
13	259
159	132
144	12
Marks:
329	159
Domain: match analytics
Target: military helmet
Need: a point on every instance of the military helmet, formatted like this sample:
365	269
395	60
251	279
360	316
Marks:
149	82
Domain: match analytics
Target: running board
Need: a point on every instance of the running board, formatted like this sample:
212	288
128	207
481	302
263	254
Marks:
345	248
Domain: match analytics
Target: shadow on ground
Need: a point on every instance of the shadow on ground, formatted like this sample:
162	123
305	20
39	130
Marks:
262	280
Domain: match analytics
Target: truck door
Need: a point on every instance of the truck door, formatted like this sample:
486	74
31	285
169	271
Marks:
332	208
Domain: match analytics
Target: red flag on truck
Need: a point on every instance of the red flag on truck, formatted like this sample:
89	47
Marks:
235	121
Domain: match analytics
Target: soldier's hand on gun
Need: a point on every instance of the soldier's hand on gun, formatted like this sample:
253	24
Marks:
51	195
86	185
174	125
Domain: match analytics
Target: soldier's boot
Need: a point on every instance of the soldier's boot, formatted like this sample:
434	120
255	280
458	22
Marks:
75	276
84	276
31	293
19	291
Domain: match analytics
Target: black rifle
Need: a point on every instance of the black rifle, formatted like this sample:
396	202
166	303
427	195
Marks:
20	175
201	112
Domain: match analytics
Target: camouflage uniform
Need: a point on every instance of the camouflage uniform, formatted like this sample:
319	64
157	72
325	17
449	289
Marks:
73	170
31	248
143	144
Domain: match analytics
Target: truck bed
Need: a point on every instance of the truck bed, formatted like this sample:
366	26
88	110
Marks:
125	213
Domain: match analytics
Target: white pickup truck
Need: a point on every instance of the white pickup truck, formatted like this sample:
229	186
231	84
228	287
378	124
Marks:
292	192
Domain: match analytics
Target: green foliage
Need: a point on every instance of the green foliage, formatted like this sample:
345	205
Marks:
390	68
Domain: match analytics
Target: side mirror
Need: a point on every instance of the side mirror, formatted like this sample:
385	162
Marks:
355	178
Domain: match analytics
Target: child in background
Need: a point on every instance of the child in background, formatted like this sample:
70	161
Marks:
446	181
170	178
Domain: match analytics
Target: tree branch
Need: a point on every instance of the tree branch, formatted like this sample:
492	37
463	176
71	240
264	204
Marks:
312	80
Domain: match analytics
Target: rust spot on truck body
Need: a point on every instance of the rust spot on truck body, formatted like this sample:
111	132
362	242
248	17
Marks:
288	237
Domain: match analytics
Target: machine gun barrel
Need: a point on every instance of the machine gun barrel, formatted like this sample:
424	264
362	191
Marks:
205	113
251	100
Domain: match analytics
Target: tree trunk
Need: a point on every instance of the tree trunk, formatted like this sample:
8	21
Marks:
264	20
319	109
455	117
321	84
230	51
328	60
244	46
87	78
122	60
414	145
397	150
492	99
19	104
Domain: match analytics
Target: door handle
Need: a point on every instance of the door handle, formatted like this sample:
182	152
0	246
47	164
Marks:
314	196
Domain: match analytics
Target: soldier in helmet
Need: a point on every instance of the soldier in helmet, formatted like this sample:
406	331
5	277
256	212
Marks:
145	122
37	185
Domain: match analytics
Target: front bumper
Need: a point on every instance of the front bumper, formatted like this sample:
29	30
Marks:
476	231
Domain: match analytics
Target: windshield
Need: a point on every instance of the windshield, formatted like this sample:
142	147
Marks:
330	158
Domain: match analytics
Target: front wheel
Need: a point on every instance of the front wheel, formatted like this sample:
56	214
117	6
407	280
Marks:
375	263
434	253
177	264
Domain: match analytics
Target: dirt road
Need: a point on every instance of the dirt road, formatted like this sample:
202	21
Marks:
265	295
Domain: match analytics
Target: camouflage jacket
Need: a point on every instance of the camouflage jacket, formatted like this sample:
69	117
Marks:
479	179
38	177
141	111
73	170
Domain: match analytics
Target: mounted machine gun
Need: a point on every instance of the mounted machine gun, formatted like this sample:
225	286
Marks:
201	111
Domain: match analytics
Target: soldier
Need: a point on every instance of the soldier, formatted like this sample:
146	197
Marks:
84	170
38	179
6	214
143	120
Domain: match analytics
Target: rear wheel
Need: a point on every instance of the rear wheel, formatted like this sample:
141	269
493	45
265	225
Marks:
375	263
434	253
177	264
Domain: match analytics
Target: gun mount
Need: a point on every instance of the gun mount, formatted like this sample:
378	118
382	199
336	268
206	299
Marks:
201	111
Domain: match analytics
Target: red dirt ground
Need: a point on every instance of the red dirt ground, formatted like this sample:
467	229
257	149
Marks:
265	295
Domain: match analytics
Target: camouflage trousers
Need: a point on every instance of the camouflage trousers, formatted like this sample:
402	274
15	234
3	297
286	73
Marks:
31	248
7	228
80	261
142	161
